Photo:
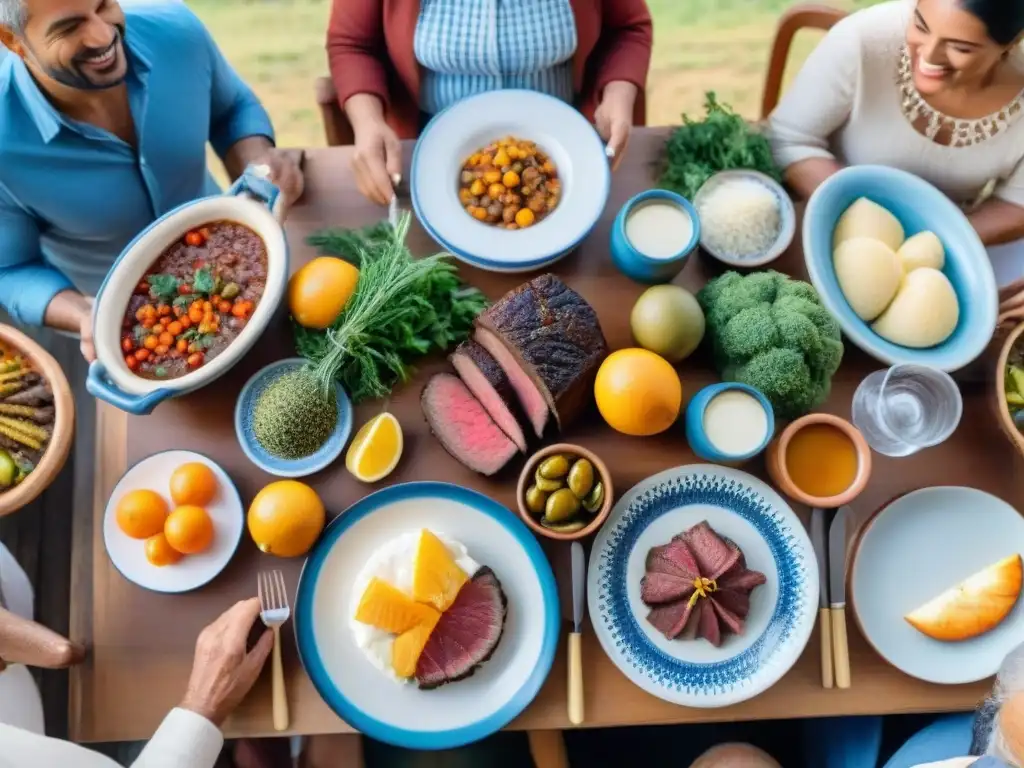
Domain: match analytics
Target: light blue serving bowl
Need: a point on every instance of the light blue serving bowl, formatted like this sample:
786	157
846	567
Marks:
265	460
636	265
698	438
919	207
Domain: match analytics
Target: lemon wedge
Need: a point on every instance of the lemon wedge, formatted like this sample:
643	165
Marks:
376	449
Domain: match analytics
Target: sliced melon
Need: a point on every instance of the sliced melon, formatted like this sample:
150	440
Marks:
406	650
869	274
974	606
866	218
436	578
924	313
922	250
391	610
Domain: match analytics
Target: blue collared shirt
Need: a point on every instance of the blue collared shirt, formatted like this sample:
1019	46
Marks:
72	196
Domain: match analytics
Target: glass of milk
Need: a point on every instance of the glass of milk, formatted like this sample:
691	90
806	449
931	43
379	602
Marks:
729	423
653	235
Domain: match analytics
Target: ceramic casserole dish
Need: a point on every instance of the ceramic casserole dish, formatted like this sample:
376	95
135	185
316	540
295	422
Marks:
252	202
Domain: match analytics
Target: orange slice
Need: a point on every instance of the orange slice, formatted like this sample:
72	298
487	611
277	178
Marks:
405	653
387	608
436	578
376	449
974	606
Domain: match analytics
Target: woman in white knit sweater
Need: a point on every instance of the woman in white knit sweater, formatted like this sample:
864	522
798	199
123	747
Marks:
935	87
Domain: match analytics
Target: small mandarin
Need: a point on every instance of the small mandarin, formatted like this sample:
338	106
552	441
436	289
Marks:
189	530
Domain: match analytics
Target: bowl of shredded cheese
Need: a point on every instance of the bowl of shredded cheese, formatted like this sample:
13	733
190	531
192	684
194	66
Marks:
747	219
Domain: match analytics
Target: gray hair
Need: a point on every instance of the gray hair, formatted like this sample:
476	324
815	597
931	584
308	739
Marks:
12	14
988	736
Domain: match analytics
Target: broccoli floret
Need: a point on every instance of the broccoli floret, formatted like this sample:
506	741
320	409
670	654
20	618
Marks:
773	333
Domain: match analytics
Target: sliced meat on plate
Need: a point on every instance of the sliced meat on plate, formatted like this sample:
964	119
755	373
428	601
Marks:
489	383
670	619
657	588
714	556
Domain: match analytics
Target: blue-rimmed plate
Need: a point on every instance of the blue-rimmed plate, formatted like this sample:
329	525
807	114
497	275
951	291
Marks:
694	673
262	458
403	715
558	129
192	571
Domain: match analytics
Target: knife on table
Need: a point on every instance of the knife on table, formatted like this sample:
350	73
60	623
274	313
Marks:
837	595
575	660
819	540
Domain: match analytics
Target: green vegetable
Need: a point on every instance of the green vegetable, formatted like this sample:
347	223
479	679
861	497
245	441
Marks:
1016	377
203	281
8	470
403	308
163	287
184	301
772	333
723	140
292	418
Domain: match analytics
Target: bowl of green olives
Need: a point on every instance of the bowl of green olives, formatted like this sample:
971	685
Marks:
565	492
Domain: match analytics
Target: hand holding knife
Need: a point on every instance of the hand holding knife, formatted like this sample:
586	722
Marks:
575	662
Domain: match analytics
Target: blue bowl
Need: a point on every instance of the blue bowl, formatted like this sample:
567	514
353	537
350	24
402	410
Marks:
919	206
267	461
636	265
697	437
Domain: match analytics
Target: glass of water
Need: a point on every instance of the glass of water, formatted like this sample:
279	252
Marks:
906	409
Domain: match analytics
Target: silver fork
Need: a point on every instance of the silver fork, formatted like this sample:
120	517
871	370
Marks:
274	611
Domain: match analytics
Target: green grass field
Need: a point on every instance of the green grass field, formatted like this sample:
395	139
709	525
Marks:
699	45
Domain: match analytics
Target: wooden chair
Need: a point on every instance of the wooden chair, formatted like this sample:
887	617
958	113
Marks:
337	128
802	16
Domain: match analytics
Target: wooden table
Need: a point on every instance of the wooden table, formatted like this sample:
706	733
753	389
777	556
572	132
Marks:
142	642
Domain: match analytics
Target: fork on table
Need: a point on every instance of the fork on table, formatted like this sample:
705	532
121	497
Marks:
274	612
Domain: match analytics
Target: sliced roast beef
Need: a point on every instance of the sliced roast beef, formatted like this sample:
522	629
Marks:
737	601
740	579
731	621
657	588
467	633
714	556
462	425
675	559
490	385
530	398
670	619
555	337
707	623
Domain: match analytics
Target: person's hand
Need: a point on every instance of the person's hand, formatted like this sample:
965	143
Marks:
377	161
223	671
613	117
30	643
285	174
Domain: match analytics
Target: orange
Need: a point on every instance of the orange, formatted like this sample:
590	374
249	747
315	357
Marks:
638	392
193	483
390	609
374	452
159	552
436	577
408	647
141	514
286	518
320	290
189	529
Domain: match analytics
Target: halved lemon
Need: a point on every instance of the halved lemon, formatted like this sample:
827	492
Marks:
376	449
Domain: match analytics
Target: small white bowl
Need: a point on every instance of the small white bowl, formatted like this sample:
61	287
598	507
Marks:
787	219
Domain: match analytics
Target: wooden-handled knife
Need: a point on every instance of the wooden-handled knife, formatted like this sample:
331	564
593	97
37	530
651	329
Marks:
837	595
579	577
819	540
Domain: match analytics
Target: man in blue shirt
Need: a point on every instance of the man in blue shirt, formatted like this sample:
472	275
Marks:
104	119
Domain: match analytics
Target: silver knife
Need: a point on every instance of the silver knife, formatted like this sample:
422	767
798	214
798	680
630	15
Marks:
579	581
819	540
837	595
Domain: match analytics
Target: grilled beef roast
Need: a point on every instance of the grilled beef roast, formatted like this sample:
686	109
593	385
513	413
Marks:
713	610
530	398
554	336
489	383
462	425
467	633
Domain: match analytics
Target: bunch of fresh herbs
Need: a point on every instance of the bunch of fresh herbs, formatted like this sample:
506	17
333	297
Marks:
403	308
722	141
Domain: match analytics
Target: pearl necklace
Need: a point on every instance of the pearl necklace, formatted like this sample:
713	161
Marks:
963	133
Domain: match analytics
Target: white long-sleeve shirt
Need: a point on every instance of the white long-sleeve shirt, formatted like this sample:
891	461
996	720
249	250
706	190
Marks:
184	740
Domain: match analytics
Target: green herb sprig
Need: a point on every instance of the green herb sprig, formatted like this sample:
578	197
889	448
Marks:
722	141
402	308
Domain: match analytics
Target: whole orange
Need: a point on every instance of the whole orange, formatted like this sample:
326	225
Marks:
285	518
320	290
638	392
193	483
189	529
159	552
141	514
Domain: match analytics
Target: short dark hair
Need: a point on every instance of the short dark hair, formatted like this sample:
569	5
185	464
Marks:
1004	19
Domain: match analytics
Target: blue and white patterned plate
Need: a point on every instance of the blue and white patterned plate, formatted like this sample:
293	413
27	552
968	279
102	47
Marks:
740	507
